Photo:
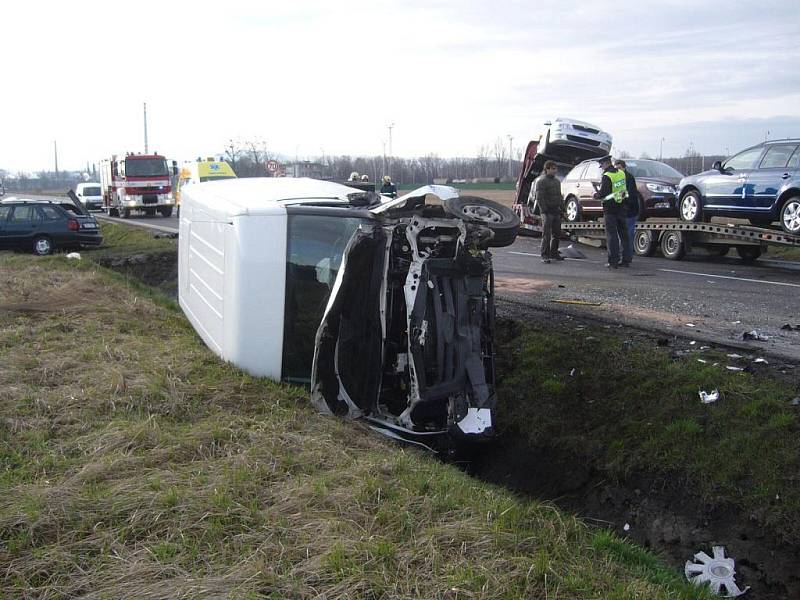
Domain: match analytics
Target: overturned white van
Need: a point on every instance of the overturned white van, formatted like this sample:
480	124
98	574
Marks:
384	308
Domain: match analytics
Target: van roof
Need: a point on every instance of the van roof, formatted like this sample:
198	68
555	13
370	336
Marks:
265	195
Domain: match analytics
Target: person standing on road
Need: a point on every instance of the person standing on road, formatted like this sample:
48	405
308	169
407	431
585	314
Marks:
631	204
547	191
612	194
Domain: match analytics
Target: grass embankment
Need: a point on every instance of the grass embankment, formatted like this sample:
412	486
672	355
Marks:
134	463
631	408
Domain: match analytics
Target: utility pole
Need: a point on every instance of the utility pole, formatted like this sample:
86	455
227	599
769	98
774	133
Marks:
389	167
766	135
661	150
510	147
145	127
55	153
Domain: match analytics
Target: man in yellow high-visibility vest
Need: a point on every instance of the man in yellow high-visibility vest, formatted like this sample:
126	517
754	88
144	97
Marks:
612	193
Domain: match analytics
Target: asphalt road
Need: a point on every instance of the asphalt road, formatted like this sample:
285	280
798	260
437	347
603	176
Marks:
708	298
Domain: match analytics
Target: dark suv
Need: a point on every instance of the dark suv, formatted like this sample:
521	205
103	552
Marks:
42	226
656	182
761	184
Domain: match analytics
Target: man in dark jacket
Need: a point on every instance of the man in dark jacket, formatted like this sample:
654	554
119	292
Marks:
631	204
547	191
612	193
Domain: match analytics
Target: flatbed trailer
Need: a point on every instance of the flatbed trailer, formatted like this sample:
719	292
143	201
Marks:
676	238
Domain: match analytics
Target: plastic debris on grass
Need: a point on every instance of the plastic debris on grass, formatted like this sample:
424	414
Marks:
709	397
74	255
718	573
730	368
761	361
795	402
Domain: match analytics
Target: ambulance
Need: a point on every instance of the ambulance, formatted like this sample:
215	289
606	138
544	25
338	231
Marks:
200	171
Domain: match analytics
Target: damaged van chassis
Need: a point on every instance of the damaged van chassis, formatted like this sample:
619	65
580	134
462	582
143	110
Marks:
406	337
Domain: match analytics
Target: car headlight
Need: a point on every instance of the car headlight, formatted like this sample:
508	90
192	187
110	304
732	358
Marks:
659	188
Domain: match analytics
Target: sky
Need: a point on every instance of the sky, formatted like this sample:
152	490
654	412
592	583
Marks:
320	78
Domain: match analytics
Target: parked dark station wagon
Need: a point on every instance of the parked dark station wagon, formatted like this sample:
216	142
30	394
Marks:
42	226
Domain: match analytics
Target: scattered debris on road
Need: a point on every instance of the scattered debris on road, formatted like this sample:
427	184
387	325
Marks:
754	335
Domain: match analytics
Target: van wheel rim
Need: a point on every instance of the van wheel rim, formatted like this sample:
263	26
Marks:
791	216
478	212
689	208
671	244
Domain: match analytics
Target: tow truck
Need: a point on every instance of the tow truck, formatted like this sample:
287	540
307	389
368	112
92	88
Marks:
673	237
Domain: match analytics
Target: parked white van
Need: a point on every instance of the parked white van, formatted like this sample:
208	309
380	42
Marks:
90	195
385	307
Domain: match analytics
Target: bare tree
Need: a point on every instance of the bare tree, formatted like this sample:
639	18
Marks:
500	156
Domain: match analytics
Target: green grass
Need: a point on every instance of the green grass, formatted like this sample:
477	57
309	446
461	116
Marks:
136	464
631	409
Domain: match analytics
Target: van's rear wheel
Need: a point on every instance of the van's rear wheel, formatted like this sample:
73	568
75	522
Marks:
166	211
126	213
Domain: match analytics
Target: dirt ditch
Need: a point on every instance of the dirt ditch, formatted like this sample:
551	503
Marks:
661	516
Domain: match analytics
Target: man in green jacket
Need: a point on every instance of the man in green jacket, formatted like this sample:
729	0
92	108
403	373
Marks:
547	191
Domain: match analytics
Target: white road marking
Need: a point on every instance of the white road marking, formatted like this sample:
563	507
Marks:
734	278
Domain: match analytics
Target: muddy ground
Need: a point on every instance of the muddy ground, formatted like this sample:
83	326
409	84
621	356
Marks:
665	518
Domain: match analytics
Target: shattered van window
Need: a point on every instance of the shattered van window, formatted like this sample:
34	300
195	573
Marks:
315	247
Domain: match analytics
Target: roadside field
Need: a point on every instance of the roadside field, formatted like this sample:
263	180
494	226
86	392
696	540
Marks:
136	464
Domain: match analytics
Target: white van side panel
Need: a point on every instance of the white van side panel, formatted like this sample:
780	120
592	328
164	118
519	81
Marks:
205	279
231	283
256	290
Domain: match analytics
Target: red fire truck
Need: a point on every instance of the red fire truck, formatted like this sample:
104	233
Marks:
137	182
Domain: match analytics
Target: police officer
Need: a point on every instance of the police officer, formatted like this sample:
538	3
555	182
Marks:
612	193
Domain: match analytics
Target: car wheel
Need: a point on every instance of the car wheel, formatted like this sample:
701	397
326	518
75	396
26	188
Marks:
690	208
718	249
748	253
672	246
503	221
126	213
42	245
113	212
644	242
166	211
790	215
572	210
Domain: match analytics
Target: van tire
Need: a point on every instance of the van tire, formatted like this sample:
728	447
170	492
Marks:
166	211
644	242
672	245
503	221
